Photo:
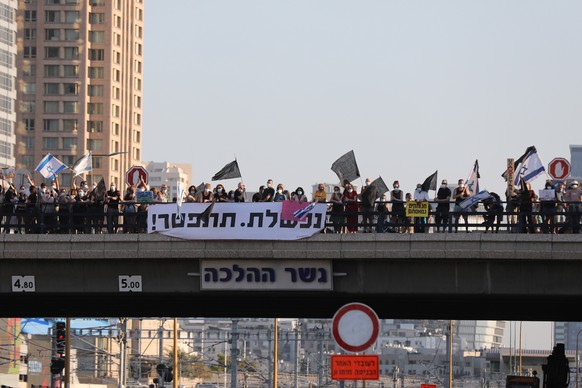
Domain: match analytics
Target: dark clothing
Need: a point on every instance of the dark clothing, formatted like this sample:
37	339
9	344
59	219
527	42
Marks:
268	194
443	208
239	196
526	200
113	199
257	197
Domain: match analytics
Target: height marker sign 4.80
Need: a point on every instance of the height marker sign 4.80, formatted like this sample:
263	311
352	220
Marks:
355	327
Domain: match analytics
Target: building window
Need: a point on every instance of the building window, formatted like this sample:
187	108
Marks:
71	88
96	54
96	18
51	70
137	136
7	58
94	108
28	142
71	34
5	104
6	83
50	143
52	34
50	125
137	119
117	39
71	71
71	53
51	107
94	126
94	144
138	48
6	13
27	87
69	143
137	83
29	52
115	165
115	127
70	125
95	72
117	57
72	2
136	153
28	70
52	16
138	13
118	21
97	3
97	162
115	110
29	33
70	107
27	106
51	52
72	17
30	16
28	124
52	2
95	90
116	92
137	101
6	35
138	31
116	75
51	89
97	36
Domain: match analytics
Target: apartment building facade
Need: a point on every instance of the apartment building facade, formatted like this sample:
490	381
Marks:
80	85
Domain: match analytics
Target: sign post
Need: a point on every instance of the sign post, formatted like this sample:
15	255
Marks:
355	328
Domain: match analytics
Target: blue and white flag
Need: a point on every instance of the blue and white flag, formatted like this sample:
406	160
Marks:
302	213
50	166
83	165
474	199
473	180
530	167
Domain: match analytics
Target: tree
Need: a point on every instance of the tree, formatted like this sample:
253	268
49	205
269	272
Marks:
190	366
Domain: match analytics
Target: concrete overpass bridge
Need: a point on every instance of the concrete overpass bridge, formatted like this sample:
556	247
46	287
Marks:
438	276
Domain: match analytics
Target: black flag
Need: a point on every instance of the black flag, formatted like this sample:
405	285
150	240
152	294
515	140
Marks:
430	183
346	167
205	215
380	186
229	171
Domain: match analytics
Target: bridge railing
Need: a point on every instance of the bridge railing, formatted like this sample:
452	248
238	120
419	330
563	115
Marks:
131	217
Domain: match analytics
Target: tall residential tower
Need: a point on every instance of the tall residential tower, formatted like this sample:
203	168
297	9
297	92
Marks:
80	84
7	81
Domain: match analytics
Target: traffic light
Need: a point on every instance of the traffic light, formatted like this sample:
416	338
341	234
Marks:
60	339
57	365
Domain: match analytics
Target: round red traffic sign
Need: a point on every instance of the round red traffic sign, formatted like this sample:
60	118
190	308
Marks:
559	168
135	174
355	327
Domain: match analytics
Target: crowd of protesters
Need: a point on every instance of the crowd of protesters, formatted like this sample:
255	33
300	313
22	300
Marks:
84	209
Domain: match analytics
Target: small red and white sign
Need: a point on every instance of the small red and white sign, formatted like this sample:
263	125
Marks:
355	327
559	168
135	174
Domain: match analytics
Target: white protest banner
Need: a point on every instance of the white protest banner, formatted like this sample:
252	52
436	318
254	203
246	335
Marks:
233	221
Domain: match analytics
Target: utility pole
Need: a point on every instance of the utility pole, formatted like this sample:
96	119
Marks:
68	353
122	351
176	366
54	354
270	382
233	353
161	351
320	366
296	375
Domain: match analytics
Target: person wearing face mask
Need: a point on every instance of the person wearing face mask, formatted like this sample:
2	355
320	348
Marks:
207	195
560	218
163	195
299	195
220	195
420	195
337	210
350	199
573	198
368	196
548	206
443	207
21	208
279	196
192	194
239	193
129	210
461	193
113	198
320	195
268	192
398	209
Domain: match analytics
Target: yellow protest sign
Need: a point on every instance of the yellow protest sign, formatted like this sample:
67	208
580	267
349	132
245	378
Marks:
417	209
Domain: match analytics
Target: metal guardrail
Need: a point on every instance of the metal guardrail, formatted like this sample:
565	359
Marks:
131	217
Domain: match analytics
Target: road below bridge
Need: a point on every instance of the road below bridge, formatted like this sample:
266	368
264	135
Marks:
422	276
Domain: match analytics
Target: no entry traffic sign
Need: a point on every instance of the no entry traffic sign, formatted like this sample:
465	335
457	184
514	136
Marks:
134	175
355	327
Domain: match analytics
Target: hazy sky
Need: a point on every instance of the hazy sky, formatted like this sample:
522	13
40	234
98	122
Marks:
410	86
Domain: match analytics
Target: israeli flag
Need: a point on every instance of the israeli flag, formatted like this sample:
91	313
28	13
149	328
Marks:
467	203
530	168
50	166
302	213
83	165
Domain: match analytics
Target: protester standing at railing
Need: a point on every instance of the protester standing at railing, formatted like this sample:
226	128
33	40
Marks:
320	195
420	196
239	193
191	196
494	210
31	219
461	193
21	208
527	197
130	211
383	211
573	198
279	196
443	207
398	209
10	200
368	196
560	218
350	199
548	205
113	197
337	210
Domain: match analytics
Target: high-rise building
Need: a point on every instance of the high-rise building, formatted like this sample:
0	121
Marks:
80	85
7	81
480	334
568	333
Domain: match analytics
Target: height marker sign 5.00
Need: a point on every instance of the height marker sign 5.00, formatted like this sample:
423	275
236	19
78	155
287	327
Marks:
355	327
